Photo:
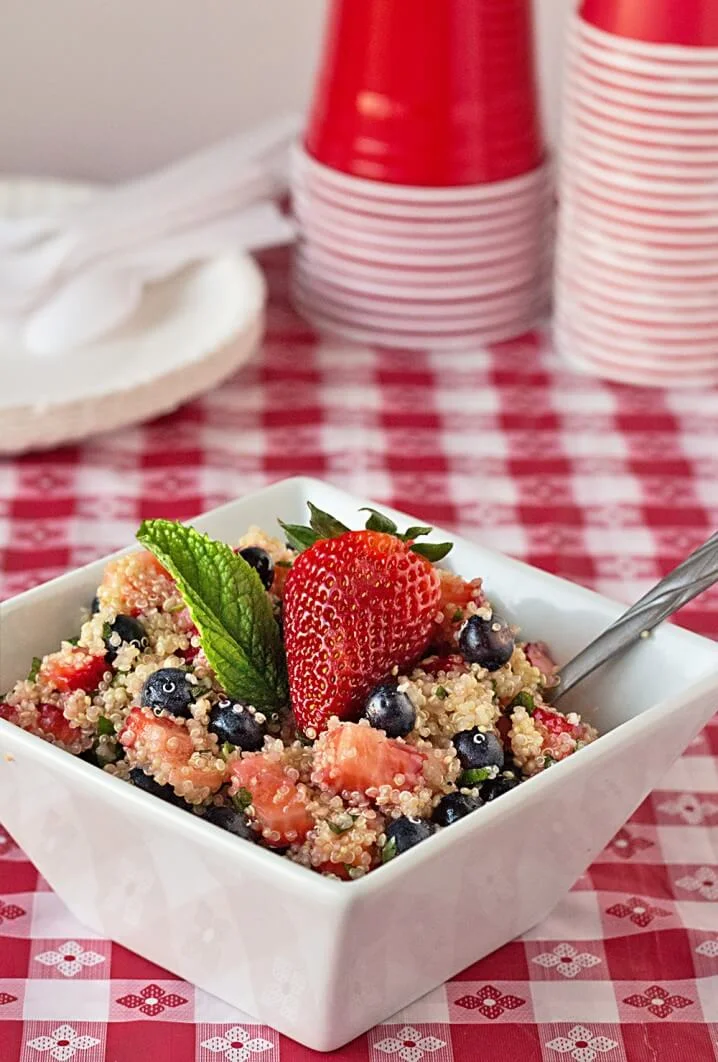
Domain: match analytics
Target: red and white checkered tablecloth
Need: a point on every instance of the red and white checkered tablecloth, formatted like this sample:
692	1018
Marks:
606	485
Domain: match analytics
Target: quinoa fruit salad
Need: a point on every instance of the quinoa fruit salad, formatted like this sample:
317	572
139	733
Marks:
337	696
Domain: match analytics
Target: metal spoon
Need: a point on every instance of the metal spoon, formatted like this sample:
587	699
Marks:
698	572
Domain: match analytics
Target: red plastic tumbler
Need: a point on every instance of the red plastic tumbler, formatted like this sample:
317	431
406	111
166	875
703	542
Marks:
434	93
687	22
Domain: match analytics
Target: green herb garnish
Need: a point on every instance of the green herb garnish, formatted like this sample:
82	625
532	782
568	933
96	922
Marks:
242	799
34	669
336	828
441	692
105	726
458	615
549	761
226	750
388	851
230	609
474	777
72	641
523	700
106	632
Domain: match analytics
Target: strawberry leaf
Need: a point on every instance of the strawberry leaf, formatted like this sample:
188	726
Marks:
326	526
416	532
230	609
298	536
378	522
433	551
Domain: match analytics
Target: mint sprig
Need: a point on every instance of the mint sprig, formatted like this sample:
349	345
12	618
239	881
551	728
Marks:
230	609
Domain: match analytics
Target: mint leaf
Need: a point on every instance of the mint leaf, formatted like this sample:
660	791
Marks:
326	526
388	852
242	799
73	641
105	727
299	537
523	700
474	777
229	607
336	828
441	692
34	669
433	551
378	522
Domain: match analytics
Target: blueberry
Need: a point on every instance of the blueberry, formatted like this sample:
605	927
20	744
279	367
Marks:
488	643
262	563
169	689
233	722
232	821
496	787
477	749
390	710
453	807
403	833
147	782
125	630
95	605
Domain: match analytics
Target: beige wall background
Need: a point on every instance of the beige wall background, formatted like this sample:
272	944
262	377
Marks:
107	88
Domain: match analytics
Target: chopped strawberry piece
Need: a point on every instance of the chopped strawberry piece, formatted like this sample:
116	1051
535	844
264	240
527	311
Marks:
355	606
553	722
281	571
135	582
353	758
338	869
148	735
456	595
503	725
434	664
457	592
538	655
280	804
73	669
164	746
8	712
52	723
189	654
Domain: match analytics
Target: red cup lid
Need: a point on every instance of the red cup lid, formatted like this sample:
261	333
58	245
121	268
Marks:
684	22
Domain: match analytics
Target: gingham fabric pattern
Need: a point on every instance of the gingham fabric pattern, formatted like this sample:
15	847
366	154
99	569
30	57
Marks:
606	485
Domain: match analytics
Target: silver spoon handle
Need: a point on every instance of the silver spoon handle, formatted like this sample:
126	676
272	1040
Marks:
697	573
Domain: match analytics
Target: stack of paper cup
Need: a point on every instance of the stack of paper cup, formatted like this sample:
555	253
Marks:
637	259
421	186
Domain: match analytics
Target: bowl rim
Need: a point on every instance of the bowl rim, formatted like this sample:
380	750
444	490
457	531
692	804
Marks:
298	877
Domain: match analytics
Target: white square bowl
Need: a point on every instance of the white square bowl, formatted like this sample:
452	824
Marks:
321	960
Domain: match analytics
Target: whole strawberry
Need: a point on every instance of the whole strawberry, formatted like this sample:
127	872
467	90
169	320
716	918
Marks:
356	605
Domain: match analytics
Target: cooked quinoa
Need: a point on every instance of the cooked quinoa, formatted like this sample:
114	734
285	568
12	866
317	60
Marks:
136	696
